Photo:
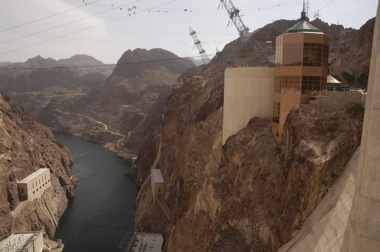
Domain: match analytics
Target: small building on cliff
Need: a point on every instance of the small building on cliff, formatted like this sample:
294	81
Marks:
158	184
335	85
34	185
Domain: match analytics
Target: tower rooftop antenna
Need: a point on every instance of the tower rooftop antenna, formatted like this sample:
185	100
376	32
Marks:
303	13
197	43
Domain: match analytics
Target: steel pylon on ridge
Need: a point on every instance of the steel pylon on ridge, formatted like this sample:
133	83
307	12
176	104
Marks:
197	43
233	13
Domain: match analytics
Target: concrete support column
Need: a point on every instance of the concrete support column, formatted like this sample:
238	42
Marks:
365	215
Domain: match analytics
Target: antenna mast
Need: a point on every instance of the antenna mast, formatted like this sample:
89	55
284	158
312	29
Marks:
303	9
233	13
303	13
201	51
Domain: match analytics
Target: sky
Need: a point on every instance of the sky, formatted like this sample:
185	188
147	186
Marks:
105	29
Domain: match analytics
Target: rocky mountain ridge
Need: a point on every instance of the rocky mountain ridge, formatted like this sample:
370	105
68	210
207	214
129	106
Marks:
37	81
25	147
111	112
80	63
353	57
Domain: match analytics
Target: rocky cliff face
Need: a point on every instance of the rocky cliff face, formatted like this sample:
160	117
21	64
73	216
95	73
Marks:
249	194
354	57
25	147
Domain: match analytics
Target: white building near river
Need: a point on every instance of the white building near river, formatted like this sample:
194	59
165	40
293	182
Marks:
34	185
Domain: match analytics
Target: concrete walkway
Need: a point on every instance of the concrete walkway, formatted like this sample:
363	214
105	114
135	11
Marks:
164	207
17	211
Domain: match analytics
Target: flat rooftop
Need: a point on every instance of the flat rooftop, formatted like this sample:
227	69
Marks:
157	176
53	246
17	241
34	175
151	242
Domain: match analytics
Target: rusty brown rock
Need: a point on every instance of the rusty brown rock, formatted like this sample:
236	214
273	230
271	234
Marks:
250	194
25	147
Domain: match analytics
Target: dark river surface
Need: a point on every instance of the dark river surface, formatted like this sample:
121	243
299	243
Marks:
103	208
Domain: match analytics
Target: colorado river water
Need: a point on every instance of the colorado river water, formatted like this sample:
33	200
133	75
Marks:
103	208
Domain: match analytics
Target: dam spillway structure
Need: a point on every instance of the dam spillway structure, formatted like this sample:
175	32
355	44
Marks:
365	217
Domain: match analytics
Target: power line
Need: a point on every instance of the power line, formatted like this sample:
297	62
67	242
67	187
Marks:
108	65
118	64
224	33
333	4
326	5
66	23
287	3
65	35
212	24
98	65
56	14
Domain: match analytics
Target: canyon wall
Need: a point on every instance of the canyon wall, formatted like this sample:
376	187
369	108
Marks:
25	147
250	194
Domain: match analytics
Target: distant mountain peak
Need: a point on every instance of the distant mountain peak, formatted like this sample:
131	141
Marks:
80	59
39	61
82	56
131	62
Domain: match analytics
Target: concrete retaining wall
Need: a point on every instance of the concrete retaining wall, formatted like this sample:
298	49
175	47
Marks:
339	100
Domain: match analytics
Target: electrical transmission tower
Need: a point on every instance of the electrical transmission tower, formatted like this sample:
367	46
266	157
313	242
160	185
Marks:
201	51
233	13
